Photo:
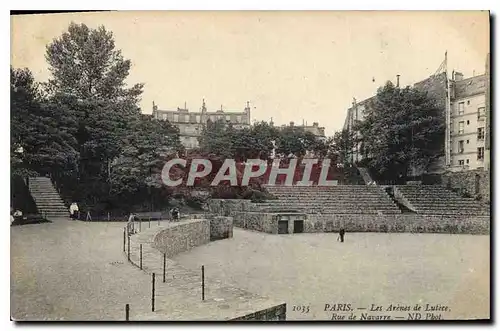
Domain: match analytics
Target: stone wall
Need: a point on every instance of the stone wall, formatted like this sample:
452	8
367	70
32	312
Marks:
276	313
181	236
262	222
221	227
224	207
413	223
466	181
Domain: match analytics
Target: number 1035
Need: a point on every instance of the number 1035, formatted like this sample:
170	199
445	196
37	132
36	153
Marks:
301	309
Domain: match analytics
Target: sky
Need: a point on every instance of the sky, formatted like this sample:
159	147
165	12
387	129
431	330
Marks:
301	66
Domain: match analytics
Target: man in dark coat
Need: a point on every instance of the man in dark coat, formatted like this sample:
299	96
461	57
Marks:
341	234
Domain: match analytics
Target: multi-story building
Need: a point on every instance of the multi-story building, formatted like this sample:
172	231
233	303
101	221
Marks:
191	124
467	132
465	103
315	129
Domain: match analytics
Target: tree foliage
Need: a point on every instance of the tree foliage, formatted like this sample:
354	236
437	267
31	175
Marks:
86	130
84	63
404	128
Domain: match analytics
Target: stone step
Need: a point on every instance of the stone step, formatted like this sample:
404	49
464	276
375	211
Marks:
329	199
328	205
329	195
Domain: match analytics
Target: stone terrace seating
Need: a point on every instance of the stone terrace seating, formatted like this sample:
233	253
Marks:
437	200
340	199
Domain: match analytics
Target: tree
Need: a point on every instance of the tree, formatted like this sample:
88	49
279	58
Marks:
88	77
42	132
342	146
296	141
84	63
138	169
403	129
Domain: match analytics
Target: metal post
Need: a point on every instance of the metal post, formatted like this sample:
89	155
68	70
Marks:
203	282
124	237
128	244
140	250
164	265
140	224
153	293
127	312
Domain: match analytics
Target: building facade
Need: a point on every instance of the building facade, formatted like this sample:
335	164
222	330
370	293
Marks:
315	129
465	103
191	124
468	123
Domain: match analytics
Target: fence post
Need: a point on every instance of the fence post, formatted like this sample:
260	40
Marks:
140	249
149	221
124	237
128	249
127	312
203	283
153	293
164	265
140	224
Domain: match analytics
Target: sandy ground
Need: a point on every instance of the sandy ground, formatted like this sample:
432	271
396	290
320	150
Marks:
75	271
313	269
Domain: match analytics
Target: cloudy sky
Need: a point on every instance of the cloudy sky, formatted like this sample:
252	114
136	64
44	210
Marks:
291	66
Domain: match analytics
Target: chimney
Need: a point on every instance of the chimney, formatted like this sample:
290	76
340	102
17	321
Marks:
459	76
315	123
397	80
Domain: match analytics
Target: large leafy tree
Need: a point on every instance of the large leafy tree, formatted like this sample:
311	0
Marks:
84	63
89	77
403	129
42	132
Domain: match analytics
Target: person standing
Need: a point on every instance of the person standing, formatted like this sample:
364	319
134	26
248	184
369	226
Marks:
341	235
131	224
73	211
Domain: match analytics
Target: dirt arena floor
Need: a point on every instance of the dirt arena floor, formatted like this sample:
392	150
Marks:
70	270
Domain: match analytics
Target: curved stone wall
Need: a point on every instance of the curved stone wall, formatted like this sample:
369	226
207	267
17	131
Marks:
178	237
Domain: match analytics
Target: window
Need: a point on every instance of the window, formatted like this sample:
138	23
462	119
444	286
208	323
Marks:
480	153
480	133
467	141
480	111
461	162
461	146
176	118
460	108
461	127
451	126
467	161
468	122
238	119
468	102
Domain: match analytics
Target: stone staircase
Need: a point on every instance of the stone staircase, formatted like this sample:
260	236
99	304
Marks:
46	197
341	199
437	200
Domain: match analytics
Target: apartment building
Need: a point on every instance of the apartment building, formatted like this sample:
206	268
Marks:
468	122
191	124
